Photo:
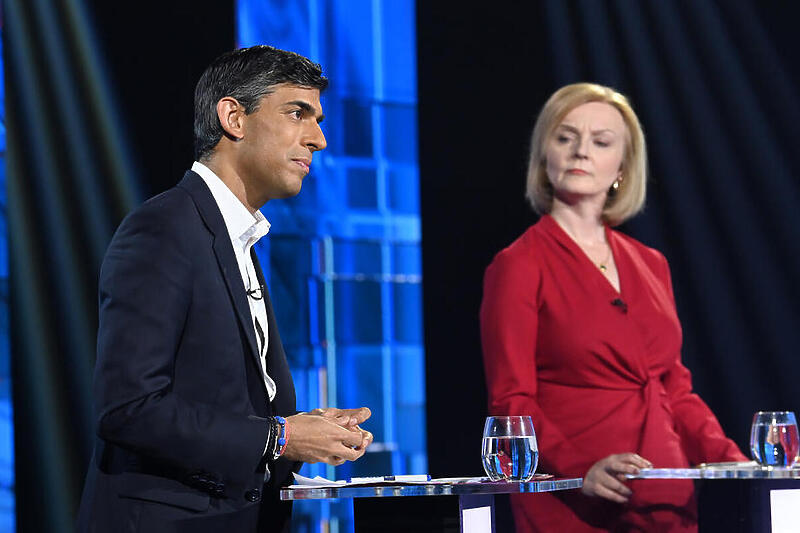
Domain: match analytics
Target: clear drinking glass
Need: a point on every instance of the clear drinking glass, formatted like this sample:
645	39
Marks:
774	439
509	447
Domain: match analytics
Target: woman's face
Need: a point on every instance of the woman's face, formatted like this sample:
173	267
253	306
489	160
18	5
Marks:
584	154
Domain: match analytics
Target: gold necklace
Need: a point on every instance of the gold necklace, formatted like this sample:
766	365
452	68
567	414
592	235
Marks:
603	265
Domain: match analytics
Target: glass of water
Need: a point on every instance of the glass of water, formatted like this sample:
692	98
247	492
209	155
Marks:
510	451
774	439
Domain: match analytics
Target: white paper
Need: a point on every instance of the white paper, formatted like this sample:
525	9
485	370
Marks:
318	481
785	508
302	482
476	520
458	480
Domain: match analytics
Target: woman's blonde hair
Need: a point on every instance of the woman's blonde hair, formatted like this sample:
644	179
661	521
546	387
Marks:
625	201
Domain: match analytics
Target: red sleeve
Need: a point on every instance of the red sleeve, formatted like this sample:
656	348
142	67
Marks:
701	435
509	321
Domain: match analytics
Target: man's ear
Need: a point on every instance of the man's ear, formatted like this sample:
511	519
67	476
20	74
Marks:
230	113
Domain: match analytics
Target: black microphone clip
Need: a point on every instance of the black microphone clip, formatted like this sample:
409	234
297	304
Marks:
617	302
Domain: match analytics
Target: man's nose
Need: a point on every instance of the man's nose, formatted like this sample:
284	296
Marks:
316	140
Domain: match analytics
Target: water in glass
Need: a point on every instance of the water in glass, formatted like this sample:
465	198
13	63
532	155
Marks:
774	438
509	448
510	458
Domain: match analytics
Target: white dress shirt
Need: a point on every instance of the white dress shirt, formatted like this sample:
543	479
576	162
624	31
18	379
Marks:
244	230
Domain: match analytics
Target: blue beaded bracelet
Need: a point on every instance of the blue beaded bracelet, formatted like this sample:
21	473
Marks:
281	439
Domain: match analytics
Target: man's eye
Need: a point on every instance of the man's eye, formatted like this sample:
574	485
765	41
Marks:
297	113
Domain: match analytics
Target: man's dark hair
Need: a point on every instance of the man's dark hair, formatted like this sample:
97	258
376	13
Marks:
246	74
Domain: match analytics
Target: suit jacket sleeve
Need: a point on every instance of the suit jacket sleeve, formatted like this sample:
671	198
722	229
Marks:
146	286
509	321
701	434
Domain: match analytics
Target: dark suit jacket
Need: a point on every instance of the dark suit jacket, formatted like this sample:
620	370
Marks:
179	393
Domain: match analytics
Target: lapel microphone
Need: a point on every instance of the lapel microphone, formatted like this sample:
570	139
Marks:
257	293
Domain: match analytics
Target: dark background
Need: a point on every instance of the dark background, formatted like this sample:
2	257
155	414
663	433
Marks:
714	84
154	58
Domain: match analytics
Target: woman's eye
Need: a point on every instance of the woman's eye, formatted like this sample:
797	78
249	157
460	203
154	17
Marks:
602	144
562	139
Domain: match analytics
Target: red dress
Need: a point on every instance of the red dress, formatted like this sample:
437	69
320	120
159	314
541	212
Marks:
600	373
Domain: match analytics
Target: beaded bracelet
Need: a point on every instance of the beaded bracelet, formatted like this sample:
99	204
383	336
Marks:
285	438
271	438
280	441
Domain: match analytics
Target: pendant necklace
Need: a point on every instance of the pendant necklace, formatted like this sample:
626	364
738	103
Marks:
603	265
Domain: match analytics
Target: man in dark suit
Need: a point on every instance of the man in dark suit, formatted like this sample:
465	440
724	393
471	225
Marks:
195	405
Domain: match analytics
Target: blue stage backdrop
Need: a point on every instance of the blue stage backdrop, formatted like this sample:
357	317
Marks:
343	258
6	420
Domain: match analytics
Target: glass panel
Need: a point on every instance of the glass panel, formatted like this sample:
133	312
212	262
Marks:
343	257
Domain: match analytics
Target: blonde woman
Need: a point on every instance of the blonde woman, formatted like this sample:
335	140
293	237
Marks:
580	331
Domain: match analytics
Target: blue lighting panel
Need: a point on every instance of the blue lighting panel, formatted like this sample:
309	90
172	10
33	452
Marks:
7	518
343	258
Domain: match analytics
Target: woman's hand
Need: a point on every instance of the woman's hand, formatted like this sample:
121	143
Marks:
605	479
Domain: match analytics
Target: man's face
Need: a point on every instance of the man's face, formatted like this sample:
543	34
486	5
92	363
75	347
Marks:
279	140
